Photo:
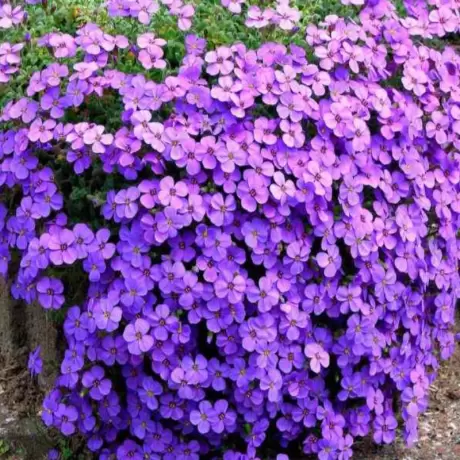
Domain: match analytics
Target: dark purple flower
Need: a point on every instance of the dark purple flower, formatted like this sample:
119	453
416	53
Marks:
66	417
94	380
384	429
106	314
204	418
50	292
62	247
137	337
35	364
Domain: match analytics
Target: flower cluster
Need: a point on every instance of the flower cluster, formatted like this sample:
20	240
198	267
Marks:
431	19
143	10
10	60
11	17
275	261
282	15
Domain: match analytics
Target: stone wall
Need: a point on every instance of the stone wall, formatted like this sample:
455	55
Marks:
22	329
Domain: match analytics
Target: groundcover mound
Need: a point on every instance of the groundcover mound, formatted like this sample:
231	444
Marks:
252	246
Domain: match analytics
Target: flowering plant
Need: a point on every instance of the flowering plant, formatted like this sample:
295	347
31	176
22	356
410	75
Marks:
257	254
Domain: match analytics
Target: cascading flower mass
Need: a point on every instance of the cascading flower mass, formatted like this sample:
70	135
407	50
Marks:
270	263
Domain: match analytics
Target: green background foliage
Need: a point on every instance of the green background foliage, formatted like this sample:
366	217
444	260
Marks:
211	21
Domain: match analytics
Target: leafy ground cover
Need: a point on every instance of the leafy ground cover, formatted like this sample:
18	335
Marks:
212	21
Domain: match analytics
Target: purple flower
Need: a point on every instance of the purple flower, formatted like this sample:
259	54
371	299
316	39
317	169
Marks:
306	412
224	418
100	244
281	190
151	57
195	45
41	131
170	193
129	449
76	324
63	45
61	246
318	357
53	454
136	335
94	380
24	109
330	261
65	417
230	286
271	224
150	389
107	315
35	363
97	139
184	14
126	203
375	401
161	322
266	295
222	209
10	16
195	369
219	61
415	399
318	177
204	418
83	238
50	293
272	381
384	429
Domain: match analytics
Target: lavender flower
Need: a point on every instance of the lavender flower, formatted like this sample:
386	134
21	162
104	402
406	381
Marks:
35	363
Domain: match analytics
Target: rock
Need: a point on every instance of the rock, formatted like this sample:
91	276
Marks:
22	329
22	438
